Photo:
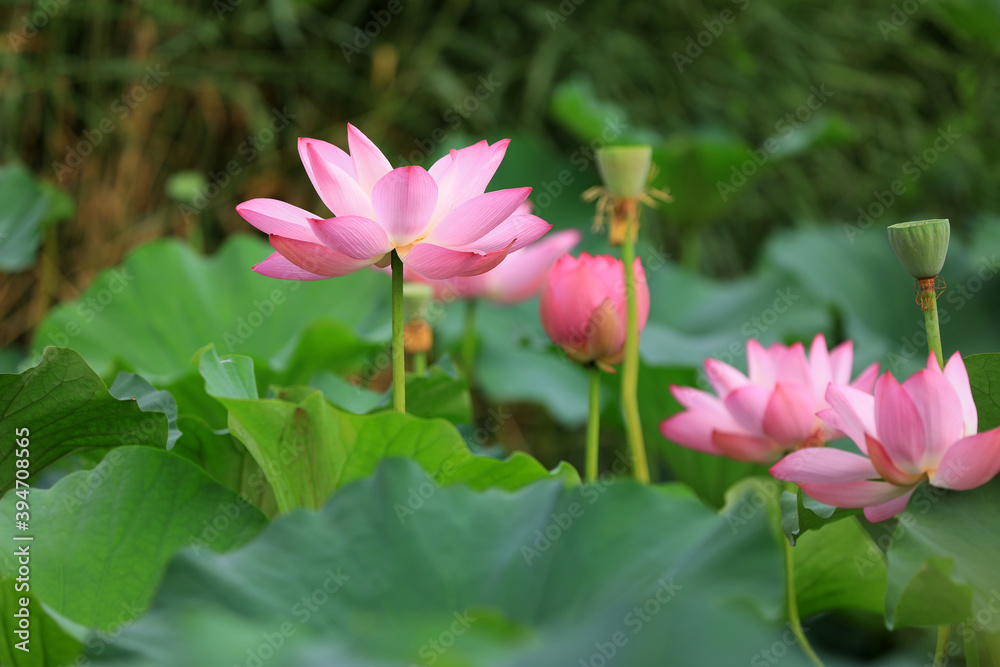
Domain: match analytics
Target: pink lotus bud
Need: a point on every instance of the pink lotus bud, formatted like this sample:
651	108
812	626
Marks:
583	306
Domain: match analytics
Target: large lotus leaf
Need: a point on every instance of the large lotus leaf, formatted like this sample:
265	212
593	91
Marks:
984	377
165	302
26	207
543	576
43	643
943	559
102	537
61	406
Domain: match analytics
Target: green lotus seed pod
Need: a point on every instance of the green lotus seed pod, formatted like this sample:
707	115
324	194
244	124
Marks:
921	246
625	169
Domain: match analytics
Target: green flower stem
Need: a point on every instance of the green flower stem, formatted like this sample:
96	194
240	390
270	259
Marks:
469	340
793	604
398	353
971	648
593	422
928	298
630	369
420	363
941	651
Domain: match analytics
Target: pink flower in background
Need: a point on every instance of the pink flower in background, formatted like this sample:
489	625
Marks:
758	416
923	429
583	306
440	221
519	277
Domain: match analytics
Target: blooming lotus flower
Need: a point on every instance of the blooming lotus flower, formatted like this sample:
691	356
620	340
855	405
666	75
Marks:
440	221
583	306
773	410
923	429
519	277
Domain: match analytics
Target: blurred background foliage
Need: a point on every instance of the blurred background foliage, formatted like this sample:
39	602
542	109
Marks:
138	108
789	133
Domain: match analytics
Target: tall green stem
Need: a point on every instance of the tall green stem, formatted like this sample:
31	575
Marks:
941	650
593	423
928	297
398	352
630	369
792	602
469	340
420	363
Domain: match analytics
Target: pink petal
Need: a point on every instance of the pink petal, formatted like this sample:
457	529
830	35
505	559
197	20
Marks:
940	411
889	509
606	333
276	266
898	424
824	465
887	468
523	230
465	173
970	462
855	494
747	406
819	364
316	258
744	447
696	399
958	376
641	294
354	236
723	377
328	153
790	415
403	200
521	274
833	425
481	263
369	162
856	412
276	217
338	189
866	379
791	365
471	220
841	362
437	263
691	429
760	366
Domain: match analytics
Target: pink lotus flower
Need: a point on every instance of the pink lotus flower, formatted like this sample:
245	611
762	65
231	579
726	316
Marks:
583	306
440	221
923	429
519	277
773	410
